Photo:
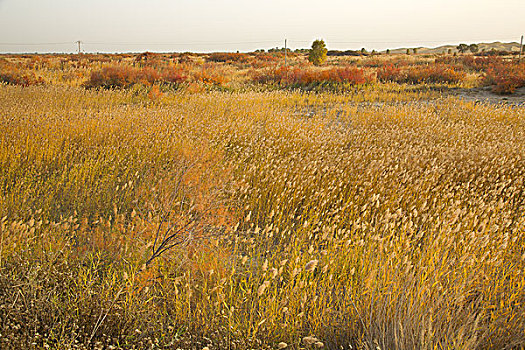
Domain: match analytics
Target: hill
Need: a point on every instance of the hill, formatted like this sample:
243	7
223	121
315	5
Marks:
499	46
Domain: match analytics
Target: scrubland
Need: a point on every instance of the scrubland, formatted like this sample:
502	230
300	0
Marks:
381	216
263	71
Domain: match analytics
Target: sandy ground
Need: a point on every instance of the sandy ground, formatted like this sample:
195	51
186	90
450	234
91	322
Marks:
485	94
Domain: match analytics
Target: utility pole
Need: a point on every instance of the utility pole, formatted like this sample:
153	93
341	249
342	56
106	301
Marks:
521	49
79	50
285	52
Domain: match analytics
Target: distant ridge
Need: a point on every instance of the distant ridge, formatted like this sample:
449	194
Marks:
499	46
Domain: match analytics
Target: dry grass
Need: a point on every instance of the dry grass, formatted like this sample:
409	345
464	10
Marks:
333	223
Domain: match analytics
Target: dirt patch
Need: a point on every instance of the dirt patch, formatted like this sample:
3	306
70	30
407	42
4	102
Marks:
485	94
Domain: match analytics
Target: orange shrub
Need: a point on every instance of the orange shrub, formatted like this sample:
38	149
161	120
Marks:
113	77
148	76
121	77
470	61
16	77
435	73
483	63
389	72
349	75
155	93
210	75
295	76
174	75
4	63
195	88
270	75
505	78
264	60
229	57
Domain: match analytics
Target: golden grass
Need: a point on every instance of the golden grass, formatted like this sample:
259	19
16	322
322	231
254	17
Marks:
318	220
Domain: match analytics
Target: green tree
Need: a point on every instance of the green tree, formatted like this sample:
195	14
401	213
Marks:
318	52
473	48
462	48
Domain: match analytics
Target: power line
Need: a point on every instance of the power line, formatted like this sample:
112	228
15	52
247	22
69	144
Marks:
215	43
180	43
35	44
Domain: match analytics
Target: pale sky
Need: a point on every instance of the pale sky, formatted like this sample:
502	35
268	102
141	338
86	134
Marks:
246	25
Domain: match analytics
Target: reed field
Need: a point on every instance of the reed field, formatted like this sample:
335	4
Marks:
194	214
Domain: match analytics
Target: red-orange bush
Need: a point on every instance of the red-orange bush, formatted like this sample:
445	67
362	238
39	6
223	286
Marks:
148	76
505	78
389	72
16	77
229	57
264	60
210	75
296	76
5	63
350	75
121	77
113	77
174	75
435	73
272	74
155	93
470	61
483	63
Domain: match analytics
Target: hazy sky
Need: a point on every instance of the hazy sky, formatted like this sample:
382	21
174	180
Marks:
245	25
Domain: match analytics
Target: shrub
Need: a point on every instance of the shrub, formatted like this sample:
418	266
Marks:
389	72
112	77
350	75
148	76
229	57
505	78
155	93
5	63
210	75
300	77
435	73
470	62
264	60
270	75
174	75
17	77
122	77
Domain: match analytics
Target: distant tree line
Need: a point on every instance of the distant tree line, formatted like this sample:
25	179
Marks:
464	48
